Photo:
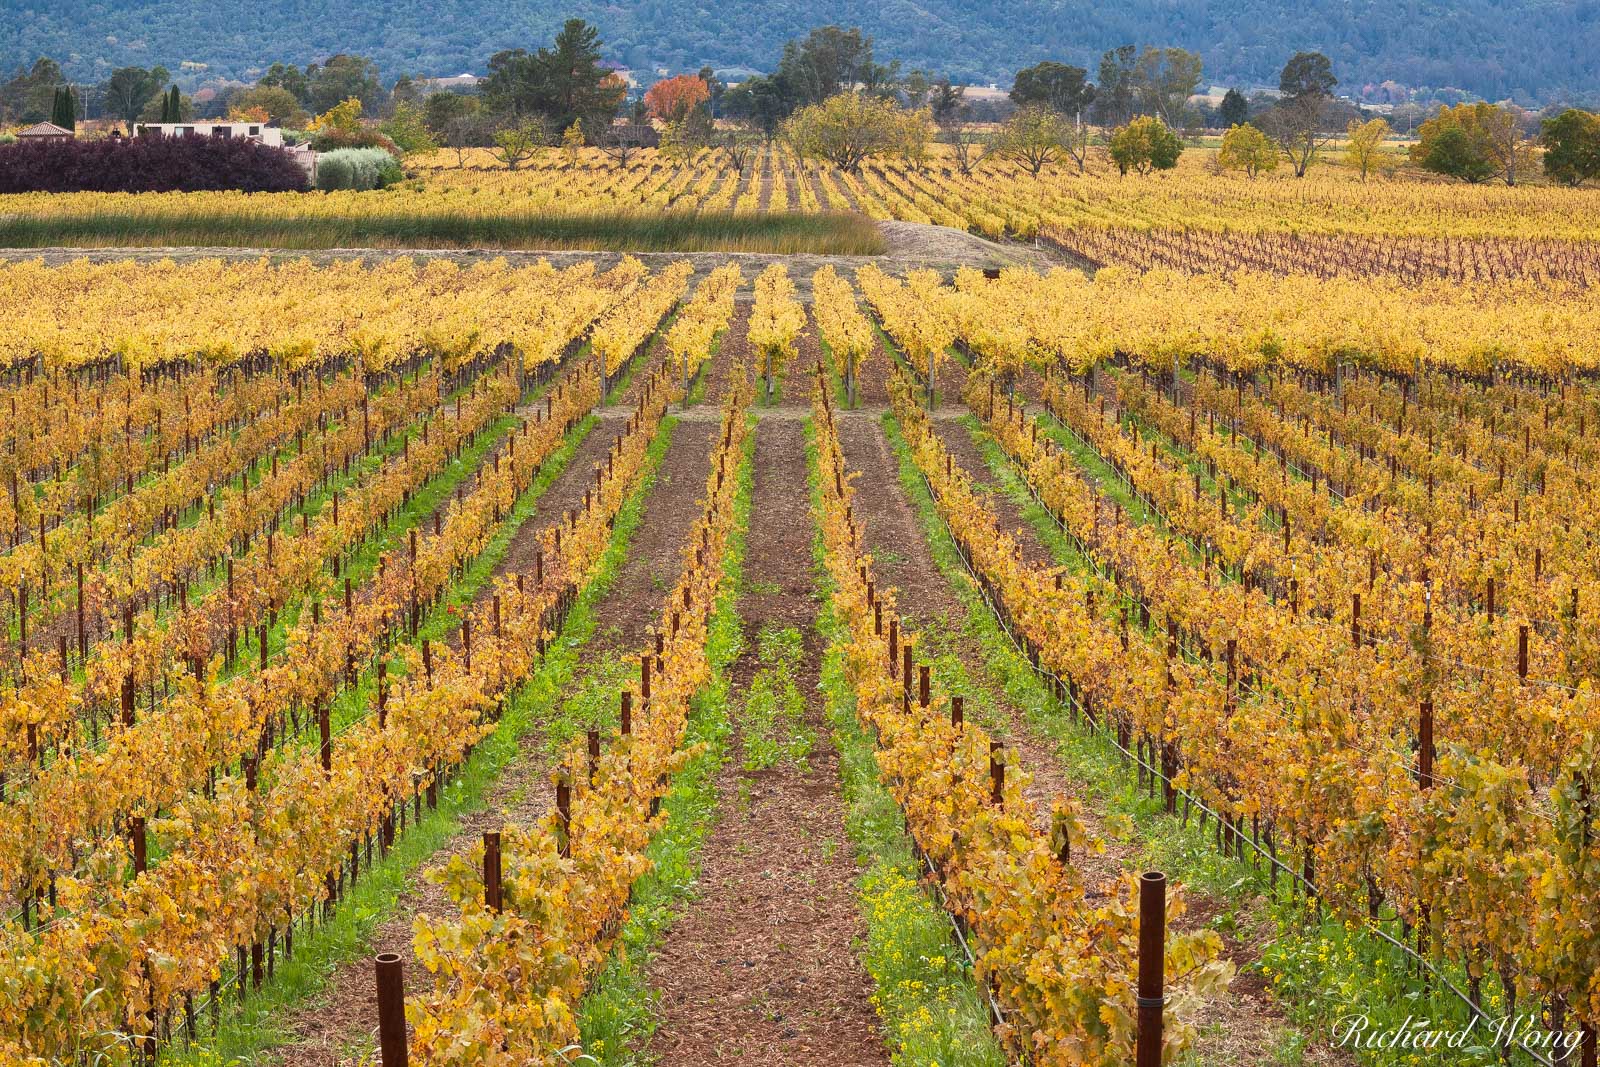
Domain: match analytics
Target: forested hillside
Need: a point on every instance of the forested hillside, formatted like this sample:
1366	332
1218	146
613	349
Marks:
1495	50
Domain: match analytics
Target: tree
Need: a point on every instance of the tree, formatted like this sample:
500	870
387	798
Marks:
405	91
1248	149
1452	152
846	129
945	100
970	147
716	87
915	133
65	111
621	142
1572	147
1234	109
561	84
1145	144
1056	86
408	129
737	146
1163	81
465	131
342	77
575	85
572	143
761	102
830	60
290	79
29	97
1307	74
1491	140
282	107
1033	137
1363	149
129	89
1296	123
345	115
1509	146
516	143
672	99
171	106
1114	97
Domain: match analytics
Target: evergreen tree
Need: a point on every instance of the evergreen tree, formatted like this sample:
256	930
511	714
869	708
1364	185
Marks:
1234	111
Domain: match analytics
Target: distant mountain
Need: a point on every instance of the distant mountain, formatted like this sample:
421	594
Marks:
1495	48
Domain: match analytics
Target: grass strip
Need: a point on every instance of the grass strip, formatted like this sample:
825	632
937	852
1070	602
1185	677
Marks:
174	222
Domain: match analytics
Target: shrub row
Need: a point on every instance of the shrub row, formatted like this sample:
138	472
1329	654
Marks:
357	168
148	165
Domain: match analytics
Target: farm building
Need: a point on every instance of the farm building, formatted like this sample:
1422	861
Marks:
44	131
255	131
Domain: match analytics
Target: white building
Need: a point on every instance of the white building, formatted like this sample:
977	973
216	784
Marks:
254	131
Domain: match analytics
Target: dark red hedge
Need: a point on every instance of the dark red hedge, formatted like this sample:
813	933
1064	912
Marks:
148	165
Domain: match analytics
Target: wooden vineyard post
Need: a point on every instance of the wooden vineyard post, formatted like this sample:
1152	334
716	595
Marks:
564	814
957	711
391	1010
325	732
492	892
627	712
1425	745
83	637
1152	967
997	773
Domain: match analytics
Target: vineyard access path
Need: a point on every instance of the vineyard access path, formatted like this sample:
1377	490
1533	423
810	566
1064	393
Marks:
1245	1026
336	1025
759	969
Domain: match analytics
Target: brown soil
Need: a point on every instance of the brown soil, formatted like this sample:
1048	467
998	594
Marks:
824	201
765	195
759	970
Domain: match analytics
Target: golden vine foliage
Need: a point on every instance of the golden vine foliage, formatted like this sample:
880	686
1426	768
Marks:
506	984
1062	967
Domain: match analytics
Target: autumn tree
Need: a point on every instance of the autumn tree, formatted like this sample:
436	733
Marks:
1144	145
1248	149
1034	137
672	99
1364	144
846	129
515	143
1474	142
572	143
